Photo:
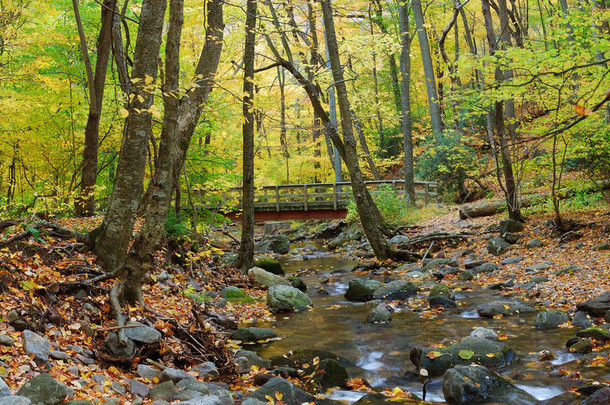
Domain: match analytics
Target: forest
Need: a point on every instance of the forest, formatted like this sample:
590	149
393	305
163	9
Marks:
136	138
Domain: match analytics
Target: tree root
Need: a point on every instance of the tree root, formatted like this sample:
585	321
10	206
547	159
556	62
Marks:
118	313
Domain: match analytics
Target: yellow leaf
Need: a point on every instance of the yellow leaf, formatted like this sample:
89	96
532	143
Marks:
124	113
506	306
582	111
490	355
316	361
148	79
433	355
278	396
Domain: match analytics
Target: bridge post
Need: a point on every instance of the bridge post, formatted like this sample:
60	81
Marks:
426	193
335	196
277	198
305	196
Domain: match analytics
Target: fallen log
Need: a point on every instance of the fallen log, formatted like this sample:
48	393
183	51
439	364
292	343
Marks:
491	208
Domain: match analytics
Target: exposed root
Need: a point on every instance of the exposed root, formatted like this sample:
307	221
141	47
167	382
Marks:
118	314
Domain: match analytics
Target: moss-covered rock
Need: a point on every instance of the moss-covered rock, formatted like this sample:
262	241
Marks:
271	265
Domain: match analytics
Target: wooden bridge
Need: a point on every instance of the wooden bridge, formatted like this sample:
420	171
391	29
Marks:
309	201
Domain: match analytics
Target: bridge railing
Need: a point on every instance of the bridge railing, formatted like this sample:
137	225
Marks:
319	196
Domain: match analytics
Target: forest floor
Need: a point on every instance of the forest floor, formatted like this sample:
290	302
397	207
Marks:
43	279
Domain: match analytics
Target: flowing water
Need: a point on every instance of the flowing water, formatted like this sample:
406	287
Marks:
381	351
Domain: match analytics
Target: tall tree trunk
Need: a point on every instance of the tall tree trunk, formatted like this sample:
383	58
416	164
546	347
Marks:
246	249
366	208
405	72
85	203
142	254
283	141
365	147
424	46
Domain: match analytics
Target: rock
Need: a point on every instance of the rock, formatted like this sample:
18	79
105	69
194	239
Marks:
468	350
333	374
580	345
265	278
253	334
253	358
441	295
234	294
37	345
571	269
332	230
599	397
361	290
537	267
510	225
513	260
339	241
138	389
44	390
602	246
400	241
206	370
6	340
581	319
465	275
209	400
297	358
551	319
59	355
594	333
502	285
431	264
596	307
279	244
142	333
498	246
396	290
491	309
147	372
253	401
164	391
271	265
174	375
381	314
85	402
5	390
15	400
471	263
484	333
539	279
475	383
282	298
485	268
534	243
297	282
291	395
113	344
511	238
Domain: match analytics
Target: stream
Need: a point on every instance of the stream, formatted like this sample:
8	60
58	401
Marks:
381	351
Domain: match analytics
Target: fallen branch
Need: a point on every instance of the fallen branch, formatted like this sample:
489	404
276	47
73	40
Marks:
7	223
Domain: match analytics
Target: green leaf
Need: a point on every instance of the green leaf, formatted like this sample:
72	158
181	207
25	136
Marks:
466	354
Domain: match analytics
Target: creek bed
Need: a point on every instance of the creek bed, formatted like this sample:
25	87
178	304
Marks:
381	351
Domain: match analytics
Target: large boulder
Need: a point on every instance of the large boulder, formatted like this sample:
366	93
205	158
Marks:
290	393
498	246
361	290
510	225
271	265
44	390
551	319
474	384
235	294
265	278
396	290
506	308
596	307
279	244
470	349
283	298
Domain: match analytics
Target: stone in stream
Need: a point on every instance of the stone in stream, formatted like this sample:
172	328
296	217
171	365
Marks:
484	333
265	278
297	358
283	298
475	383
44	390
291	394
469	350
380	314
581	319
361	290
441	295
551	319
599	397
396	290
596	307
297	282
253	334
491	309
594	333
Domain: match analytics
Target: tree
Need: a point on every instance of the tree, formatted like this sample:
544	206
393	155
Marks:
405	72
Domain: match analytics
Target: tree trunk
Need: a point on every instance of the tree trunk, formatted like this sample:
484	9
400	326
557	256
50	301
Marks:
114	234
405	72
142	254
366	208
424	46
246	248
85	203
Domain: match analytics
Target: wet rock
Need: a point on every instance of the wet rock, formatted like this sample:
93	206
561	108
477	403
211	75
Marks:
37	345
491	309
339	241
164	391
297	358
469	350
545	355
498	246
380	314
596	307
142	333
15	400
6	340
581	319
44	390
361	290
291	394
594	333
396	290
265	278
297	282
485	268
580	345
484	333
441	295
174	375
253	334
551	319
599	397
113	344
279	244
510	225
271	265
475	383
502	285
534	243
333	374
282	298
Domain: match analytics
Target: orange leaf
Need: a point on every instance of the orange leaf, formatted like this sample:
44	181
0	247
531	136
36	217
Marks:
582	111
